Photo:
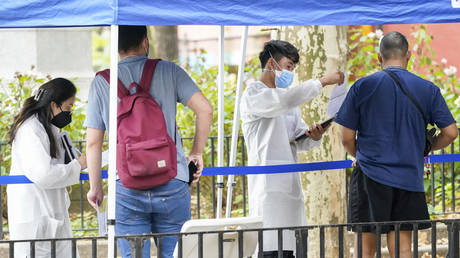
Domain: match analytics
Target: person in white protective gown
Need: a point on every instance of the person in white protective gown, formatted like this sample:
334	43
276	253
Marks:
271	121
40	210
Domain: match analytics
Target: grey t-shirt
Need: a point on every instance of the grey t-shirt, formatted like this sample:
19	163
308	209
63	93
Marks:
170	84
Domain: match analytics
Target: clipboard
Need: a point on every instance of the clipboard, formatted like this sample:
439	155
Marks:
69	149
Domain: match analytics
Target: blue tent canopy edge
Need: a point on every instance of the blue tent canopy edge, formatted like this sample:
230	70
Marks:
63	13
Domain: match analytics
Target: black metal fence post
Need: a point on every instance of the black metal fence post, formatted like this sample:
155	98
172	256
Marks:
159	241
443	188
341	249
280	243
454	240
360	242
452	175
378	245
74	248
11	249
322	250
240	244
301	236
221	245
32	249
433	239
180	246
198	206
200	245
53	248
260	240
94	247
397	247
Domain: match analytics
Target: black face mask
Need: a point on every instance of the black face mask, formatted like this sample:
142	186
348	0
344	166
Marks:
62	119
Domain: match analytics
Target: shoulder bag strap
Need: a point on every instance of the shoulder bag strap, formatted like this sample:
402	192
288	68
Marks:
406	93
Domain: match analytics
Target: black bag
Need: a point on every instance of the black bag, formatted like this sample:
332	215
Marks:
429	134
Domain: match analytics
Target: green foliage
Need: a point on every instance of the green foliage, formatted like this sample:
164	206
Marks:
12	94
363	60
101	48
90	222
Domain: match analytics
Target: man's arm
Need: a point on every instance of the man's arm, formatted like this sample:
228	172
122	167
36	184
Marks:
349	140
446	137
273	102
94	140
203	111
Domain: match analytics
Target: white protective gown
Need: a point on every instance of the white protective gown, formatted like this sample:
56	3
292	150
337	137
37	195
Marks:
271	120
40	210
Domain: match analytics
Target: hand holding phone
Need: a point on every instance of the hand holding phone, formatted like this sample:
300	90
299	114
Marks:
192	169
324	124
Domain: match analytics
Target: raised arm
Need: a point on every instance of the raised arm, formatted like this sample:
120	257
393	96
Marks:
267	102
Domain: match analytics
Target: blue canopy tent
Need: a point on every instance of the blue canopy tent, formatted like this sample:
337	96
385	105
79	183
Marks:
68	13
51	13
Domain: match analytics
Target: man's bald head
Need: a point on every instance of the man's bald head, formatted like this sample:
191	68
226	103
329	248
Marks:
393	45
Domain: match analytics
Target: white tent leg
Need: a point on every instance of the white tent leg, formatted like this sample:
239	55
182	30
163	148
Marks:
220	122
236	120
112	138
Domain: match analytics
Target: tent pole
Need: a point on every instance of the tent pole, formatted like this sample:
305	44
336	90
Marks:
220	122
112	138
236	120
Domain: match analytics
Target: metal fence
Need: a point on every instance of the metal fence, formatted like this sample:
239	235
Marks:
311	241
441	187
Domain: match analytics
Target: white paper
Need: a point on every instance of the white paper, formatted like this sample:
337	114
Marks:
338	95
102	217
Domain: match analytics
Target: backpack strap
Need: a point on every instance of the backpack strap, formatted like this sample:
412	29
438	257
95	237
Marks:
147	74
146	81
122	91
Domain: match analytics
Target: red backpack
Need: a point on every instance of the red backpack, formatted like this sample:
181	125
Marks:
146	155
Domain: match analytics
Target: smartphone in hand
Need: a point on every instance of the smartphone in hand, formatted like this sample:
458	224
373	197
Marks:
324	124
192	169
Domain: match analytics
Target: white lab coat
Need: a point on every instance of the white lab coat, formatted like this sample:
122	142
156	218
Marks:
271	120
40	210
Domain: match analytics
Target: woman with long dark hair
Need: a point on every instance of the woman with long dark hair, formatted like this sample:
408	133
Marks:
40	210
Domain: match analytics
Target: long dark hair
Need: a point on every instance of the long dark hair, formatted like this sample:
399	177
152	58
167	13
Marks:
57	90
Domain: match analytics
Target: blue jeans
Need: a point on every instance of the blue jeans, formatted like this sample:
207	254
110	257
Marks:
160	209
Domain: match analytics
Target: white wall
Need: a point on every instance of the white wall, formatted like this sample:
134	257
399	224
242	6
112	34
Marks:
59	52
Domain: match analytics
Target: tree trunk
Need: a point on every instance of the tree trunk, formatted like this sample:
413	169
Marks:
163	42
322	49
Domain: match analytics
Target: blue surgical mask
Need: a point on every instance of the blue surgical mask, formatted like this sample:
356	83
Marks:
283	78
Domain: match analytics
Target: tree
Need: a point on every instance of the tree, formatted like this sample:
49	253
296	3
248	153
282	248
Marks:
163	42
322	49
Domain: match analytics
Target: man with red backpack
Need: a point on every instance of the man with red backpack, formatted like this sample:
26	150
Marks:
152	195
